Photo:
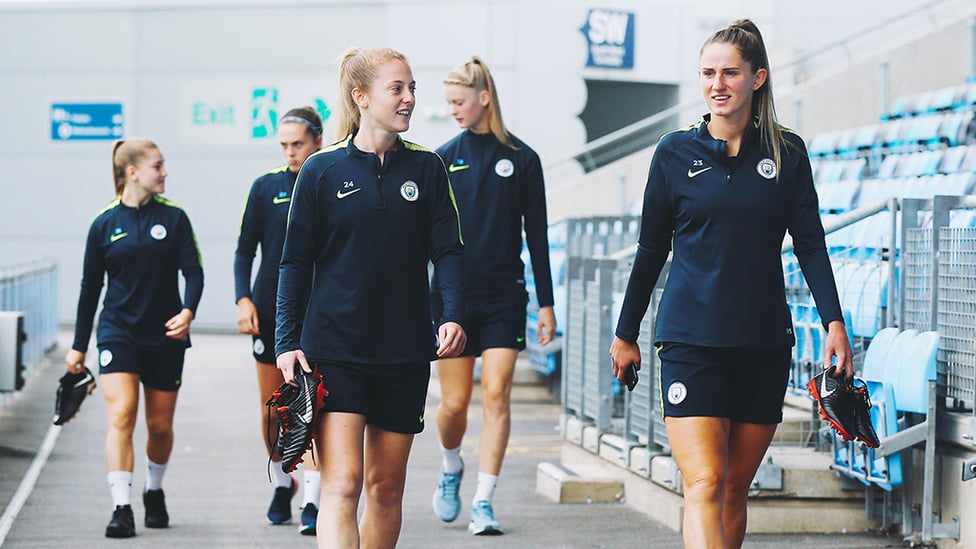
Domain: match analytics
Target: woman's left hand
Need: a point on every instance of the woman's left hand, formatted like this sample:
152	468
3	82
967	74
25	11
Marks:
838	345
452	339
178	327
547	325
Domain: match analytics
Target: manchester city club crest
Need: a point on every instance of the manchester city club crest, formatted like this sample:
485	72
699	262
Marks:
504	168
409	191
158	232
677	393
766	168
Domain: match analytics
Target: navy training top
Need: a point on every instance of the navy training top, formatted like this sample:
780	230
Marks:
727	217
498	189
263	223
142	250
353	284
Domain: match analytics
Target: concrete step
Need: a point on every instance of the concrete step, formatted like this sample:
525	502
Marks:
795	491
563	485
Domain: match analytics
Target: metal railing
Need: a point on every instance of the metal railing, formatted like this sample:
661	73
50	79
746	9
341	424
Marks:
32	288
922	296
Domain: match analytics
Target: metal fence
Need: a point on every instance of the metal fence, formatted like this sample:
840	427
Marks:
935	289
32	288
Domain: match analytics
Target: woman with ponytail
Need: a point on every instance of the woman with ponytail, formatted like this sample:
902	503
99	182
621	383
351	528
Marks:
498	182
723	193
263	224
142	241
367	216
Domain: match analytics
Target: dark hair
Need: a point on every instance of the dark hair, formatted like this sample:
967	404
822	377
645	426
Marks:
745	36
474	74
125	153
357	69
305	115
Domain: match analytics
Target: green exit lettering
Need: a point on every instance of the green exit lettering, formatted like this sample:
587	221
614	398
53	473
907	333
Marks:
217	115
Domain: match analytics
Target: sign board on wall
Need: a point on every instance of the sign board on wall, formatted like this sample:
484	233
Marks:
232	113
86	121
609	38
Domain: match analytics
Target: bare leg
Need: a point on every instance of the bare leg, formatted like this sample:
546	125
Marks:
121	390
386	474
269	379
699	446
456	378
497	371
340	446
748	443
160	409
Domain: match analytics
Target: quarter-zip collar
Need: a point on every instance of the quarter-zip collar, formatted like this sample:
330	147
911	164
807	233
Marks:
718	148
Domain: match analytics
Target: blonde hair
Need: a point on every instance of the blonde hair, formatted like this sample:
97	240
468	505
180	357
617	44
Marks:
474	74
745	36
357	69
125	153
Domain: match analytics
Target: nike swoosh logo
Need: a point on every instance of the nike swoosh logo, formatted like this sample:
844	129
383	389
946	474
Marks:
456	167
309	413
281	200
823	387
88	378
701	171
340	195
119	236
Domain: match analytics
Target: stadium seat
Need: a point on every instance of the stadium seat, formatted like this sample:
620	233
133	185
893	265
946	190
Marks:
952	159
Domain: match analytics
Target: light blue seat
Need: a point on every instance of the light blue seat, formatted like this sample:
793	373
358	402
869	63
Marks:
877	353
899	377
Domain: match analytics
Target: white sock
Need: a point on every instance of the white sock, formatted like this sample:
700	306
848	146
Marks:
154	474
120	484
313	485
279	477
486	487
451	460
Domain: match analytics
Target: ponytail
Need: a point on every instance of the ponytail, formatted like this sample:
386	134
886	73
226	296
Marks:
357	69
745	36
474	74
125	153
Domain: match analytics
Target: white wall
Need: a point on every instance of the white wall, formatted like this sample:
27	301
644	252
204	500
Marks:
163	59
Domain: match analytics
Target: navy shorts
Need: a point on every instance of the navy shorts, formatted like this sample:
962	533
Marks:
490	323
159	366
740	383
390	396
262	345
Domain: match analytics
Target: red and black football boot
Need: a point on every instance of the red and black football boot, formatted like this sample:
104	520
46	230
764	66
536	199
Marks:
834	395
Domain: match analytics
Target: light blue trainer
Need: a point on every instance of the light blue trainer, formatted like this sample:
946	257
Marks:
483	521
447	502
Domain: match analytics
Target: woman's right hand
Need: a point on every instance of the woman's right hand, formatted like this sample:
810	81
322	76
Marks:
74	362
623	354
286	363
247	317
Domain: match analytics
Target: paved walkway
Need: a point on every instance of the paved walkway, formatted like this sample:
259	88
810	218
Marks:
217	488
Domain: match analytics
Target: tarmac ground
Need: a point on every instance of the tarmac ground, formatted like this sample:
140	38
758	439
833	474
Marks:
54	492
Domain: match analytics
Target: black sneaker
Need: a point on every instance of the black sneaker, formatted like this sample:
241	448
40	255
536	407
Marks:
833	394
72	390
156	515
123	524
863	430
296	407
310	514
279	512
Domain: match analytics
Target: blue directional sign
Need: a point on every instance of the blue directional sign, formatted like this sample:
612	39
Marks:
86	121
609	38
